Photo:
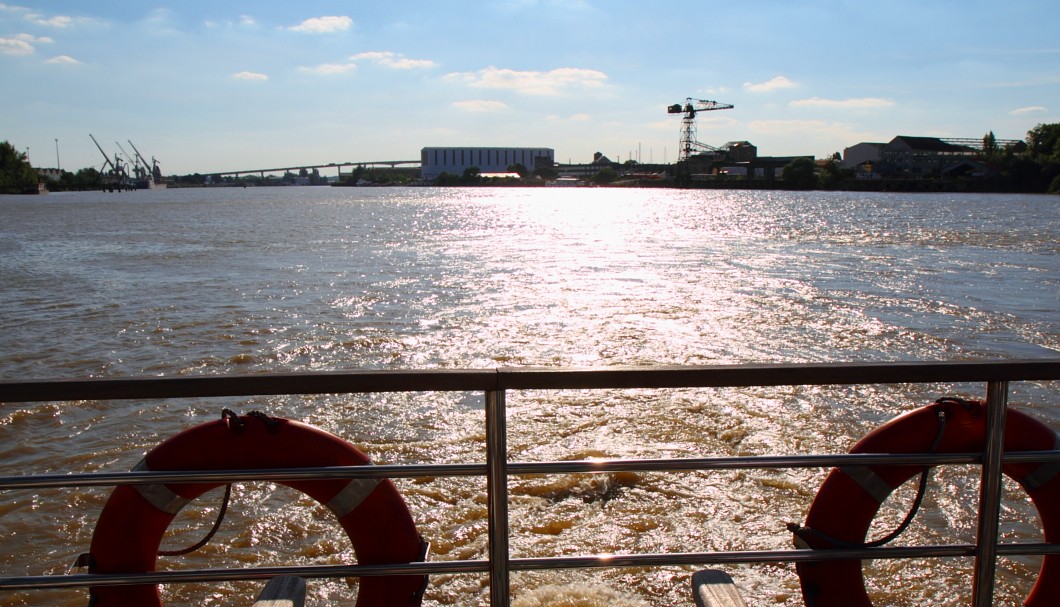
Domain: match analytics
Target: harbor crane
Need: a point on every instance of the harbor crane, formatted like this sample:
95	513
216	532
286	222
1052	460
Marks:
689	144
117	171
129	160
156	173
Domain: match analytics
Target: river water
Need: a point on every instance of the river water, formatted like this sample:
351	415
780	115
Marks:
215	281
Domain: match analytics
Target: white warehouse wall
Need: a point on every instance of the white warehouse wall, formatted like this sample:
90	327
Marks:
455	161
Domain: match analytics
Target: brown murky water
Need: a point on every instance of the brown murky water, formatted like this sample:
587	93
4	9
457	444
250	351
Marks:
188	282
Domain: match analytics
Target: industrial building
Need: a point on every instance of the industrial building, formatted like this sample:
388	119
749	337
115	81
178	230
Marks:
454	161
906	157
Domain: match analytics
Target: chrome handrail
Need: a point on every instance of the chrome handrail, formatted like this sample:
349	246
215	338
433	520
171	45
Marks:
494	384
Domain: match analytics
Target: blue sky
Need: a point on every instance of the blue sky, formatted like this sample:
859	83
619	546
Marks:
214	86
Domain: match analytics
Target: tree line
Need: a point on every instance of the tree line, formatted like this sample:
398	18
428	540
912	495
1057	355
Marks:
1034	169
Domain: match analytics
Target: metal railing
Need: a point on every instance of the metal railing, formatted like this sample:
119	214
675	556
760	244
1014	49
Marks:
495	384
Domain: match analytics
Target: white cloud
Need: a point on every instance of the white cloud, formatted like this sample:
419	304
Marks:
776	84
330	69
393	60
56	21
716	90
1034	109
384	58
247	20
323	25
14	46
857	103
21	44
253	76
572	118
786	126
63	60
553	82
59	21
480	105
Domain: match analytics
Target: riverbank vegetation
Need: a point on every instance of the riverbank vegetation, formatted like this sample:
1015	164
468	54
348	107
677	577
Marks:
16	174
1034	168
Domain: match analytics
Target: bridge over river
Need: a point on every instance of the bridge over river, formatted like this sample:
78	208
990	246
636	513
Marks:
336	165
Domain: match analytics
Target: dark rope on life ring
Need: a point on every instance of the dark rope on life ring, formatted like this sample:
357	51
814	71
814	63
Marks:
270	422
804	533
234	423
213	530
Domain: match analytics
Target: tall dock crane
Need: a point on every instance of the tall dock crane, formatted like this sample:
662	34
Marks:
691	107
156	173
117	171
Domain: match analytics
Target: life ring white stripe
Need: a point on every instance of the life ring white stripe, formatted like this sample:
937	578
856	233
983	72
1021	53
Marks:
867	479
351	496
159	495
1042	474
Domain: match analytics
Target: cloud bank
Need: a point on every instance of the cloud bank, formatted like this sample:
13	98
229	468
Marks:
859	103
553	82
323	25
386	59
22	44
480	105
776	84
1034	109
253	76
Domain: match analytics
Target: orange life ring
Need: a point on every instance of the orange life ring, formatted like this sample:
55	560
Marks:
372	512
850	497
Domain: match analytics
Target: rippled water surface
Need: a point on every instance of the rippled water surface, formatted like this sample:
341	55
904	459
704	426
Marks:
192	282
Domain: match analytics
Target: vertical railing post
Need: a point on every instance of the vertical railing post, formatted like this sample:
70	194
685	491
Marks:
497	496
990	493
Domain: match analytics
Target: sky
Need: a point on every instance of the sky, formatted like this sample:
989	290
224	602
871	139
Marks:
229	85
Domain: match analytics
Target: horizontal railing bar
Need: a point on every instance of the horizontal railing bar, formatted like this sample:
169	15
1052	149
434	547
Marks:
747	462
516	564
779	375
100	479
97	479
232	575
420	380
774	556
434	380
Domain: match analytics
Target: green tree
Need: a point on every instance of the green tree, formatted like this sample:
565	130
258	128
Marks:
87	179
471	176
1043	148
357	174
518	168
1054	187
605	176
800	174
1043	142
831	175
990	148
546	173
16	173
